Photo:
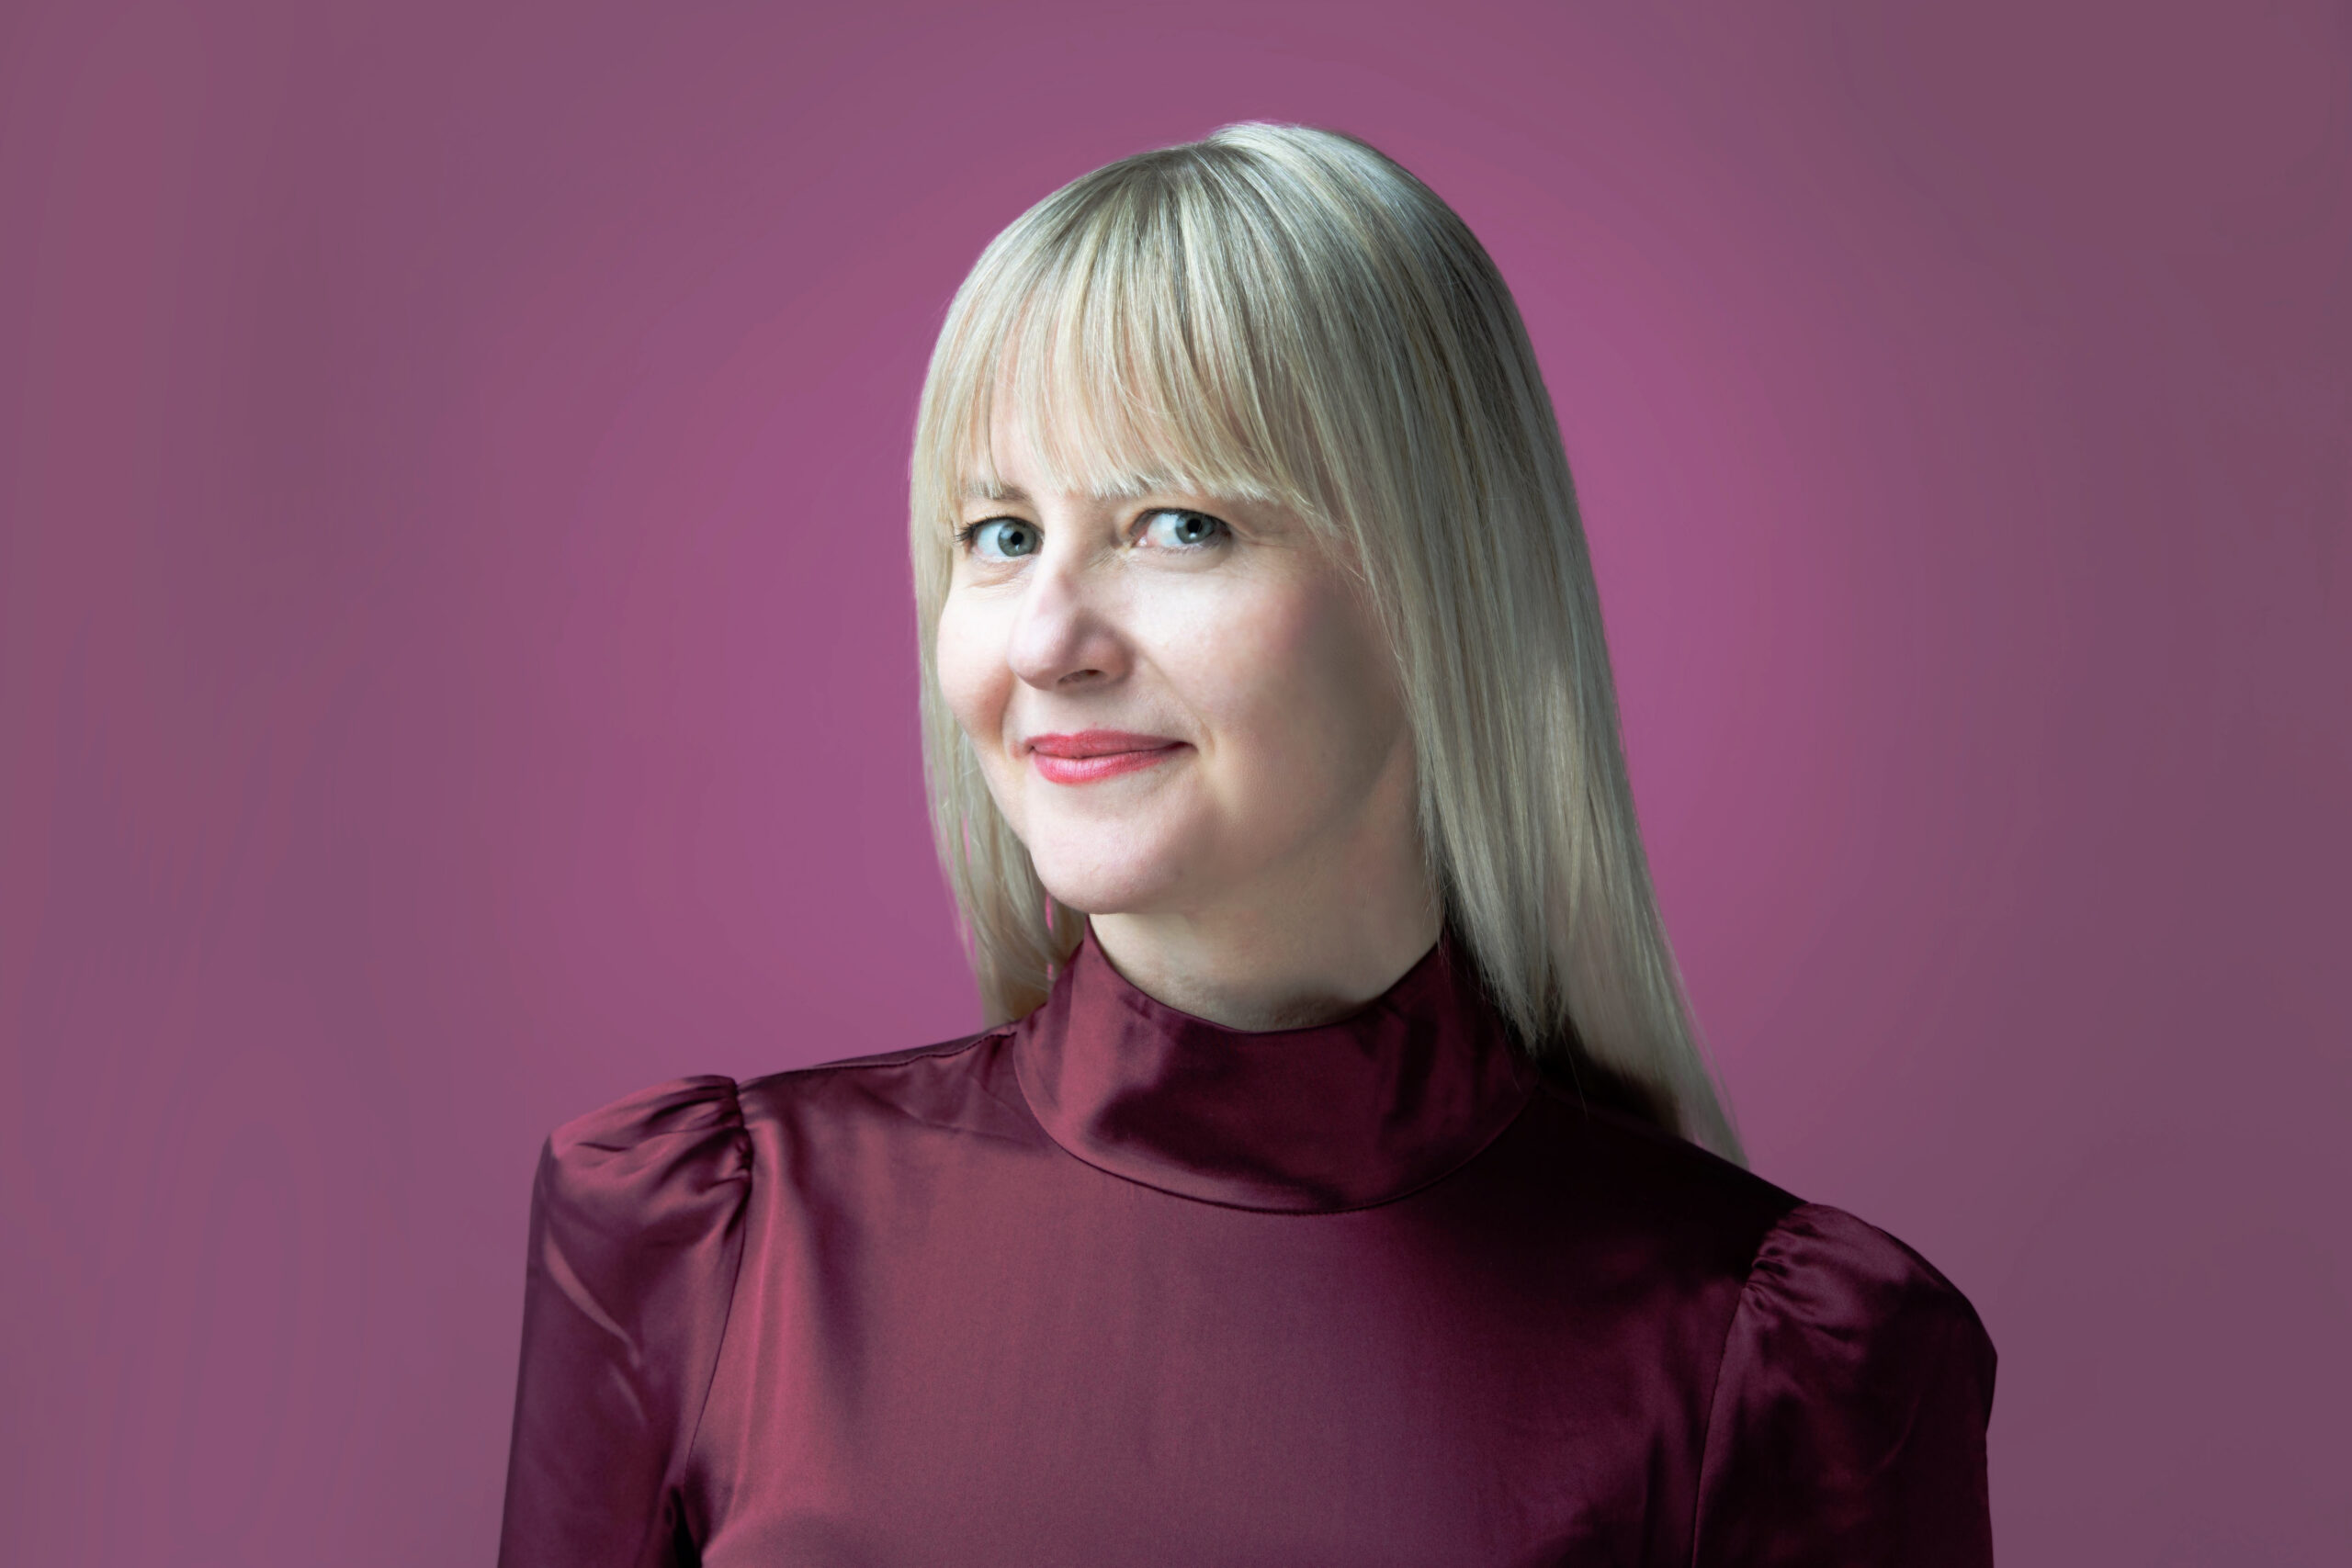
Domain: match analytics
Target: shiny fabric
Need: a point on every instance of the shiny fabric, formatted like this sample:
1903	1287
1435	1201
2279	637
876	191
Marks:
1115	1285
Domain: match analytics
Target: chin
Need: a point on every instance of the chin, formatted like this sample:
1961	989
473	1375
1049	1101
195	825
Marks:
1101	880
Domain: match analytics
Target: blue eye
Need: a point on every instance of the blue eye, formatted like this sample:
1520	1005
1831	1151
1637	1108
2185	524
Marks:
999	538
1172	528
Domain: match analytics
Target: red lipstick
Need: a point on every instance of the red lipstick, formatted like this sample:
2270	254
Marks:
1092	754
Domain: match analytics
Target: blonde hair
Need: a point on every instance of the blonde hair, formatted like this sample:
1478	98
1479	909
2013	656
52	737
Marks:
1279	314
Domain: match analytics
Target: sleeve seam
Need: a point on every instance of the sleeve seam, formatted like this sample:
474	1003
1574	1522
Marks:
1716	1390
737	1220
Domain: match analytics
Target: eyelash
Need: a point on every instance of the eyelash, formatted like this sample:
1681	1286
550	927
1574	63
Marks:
969	531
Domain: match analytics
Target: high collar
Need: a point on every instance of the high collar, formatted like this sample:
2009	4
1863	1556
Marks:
1340	1115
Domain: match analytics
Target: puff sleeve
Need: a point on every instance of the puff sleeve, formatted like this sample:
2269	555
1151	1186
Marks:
1850	1411
636	1235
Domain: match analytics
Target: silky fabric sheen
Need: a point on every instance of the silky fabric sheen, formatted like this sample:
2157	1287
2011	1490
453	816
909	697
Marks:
1116	1285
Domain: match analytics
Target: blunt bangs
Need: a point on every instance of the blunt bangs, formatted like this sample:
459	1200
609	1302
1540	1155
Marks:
1131	338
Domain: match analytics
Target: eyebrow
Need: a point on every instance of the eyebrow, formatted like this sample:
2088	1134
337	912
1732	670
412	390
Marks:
984	490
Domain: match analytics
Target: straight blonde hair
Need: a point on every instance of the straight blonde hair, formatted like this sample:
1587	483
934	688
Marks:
1279	314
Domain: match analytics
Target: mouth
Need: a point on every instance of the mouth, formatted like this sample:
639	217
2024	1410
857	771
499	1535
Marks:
1094	754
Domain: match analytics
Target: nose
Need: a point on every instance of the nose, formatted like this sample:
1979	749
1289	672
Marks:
1065	635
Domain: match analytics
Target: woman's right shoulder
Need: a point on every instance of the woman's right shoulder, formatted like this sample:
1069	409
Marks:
964	1084
670	1159
684	1148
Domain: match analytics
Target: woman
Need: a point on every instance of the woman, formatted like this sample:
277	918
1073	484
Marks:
1329	1187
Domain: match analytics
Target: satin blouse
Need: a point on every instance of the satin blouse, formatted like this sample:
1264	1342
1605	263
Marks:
1116	1285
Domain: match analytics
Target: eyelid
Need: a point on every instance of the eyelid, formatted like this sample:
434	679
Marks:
966	533
1143	517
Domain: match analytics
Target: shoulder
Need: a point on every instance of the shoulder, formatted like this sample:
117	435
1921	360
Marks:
1817	1248
657	1157
1860	1306
1797	1281
690	1135
962	1085
683	1151
1702	1216
1850	1406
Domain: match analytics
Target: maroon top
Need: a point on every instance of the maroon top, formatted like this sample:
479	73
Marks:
1117	1285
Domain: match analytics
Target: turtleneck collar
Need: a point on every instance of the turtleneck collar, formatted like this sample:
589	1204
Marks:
1340	1115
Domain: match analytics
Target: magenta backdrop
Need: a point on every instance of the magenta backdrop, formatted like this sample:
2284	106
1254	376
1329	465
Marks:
457	666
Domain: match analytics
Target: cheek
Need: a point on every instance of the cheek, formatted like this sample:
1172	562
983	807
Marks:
1294	681
973	673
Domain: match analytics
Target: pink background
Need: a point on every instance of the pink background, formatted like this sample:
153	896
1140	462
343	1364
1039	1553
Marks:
456	662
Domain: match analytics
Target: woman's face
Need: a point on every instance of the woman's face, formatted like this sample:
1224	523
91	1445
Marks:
1181	705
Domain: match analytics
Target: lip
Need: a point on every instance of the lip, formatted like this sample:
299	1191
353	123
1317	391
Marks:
1092	754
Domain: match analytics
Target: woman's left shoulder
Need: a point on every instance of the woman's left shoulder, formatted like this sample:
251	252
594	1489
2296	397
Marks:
1850	1406
1801	1267
1827	1274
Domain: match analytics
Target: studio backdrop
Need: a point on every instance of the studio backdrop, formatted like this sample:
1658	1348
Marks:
456	662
